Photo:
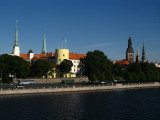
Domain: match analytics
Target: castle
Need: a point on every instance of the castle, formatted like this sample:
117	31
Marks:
57	57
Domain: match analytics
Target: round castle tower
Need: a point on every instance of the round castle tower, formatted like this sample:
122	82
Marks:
61	54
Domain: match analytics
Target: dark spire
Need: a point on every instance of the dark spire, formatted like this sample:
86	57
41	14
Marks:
143	54
130	49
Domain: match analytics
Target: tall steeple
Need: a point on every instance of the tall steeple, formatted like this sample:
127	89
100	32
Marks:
130	51
44	45
137	56
143	54
16	50
16	36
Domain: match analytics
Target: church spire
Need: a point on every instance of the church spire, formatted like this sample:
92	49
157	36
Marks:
130	51
44	45
16	36
143	54
137	56
16	49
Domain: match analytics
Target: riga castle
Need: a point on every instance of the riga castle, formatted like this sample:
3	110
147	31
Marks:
57	57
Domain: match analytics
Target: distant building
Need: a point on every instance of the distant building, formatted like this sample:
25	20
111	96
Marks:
57	57
130	51
123	63
137	56
143	54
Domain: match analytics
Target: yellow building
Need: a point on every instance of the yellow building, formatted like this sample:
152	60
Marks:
61	54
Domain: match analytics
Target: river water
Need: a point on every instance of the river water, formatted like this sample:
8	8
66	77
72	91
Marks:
133	104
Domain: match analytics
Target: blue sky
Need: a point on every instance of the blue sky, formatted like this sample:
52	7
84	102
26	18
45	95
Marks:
86	24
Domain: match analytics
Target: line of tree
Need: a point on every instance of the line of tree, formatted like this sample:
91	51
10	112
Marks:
137	72
12	67
95	65
99	68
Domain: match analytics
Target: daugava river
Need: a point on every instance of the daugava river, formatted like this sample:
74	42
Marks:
133	104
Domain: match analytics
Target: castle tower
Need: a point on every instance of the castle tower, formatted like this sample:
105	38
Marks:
61	54
16	49
137	56
44	50
143	54
30	54
130	51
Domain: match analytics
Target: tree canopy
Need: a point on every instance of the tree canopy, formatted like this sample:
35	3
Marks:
13	65
97	66
40	68
65	66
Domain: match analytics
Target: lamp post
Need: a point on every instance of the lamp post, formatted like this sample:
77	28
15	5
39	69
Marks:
15	78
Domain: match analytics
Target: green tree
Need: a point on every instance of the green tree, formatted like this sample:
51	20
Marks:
117	70
40	68
65	66
13	65
96	63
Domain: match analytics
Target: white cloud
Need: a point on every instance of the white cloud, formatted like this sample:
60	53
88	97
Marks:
105	44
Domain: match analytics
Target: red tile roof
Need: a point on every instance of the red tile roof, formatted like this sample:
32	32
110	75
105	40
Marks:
76	56
24	56
122	62
50	55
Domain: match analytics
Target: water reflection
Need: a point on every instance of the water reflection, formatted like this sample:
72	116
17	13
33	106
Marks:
119	104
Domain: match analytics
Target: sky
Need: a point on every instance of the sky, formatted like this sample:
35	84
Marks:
87	25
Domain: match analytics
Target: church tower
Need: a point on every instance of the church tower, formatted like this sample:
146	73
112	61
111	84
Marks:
130	51
44	51
16	50
143	54
137	56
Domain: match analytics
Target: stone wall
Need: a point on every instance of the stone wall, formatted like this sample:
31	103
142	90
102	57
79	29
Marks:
73	88
55	80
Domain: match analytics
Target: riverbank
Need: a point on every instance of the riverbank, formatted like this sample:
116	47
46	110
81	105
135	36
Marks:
74	89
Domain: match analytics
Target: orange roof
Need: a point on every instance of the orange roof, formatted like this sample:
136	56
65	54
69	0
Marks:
24	56
122	62
49	55
76	56
43	56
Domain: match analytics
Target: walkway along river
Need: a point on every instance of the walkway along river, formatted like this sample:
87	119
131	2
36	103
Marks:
74	88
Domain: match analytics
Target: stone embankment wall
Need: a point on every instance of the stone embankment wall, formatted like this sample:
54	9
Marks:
73	88
55	80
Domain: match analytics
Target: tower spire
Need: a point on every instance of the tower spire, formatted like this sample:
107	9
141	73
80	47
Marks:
143	54
137	56
16	35
44	45
16	50
130	51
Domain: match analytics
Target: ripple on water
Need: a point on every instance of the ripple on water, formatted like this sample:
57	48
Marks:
137	104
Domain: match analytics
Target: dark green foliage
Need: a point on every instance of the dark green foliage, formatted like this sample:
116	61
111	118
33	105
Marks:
141	72
117	70
40	68
65	66
13	65
97	66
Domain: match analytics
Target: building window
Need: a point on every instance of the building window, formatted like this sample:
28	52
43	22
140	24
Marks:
74	66
74	61
63	55
74	70
59	60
